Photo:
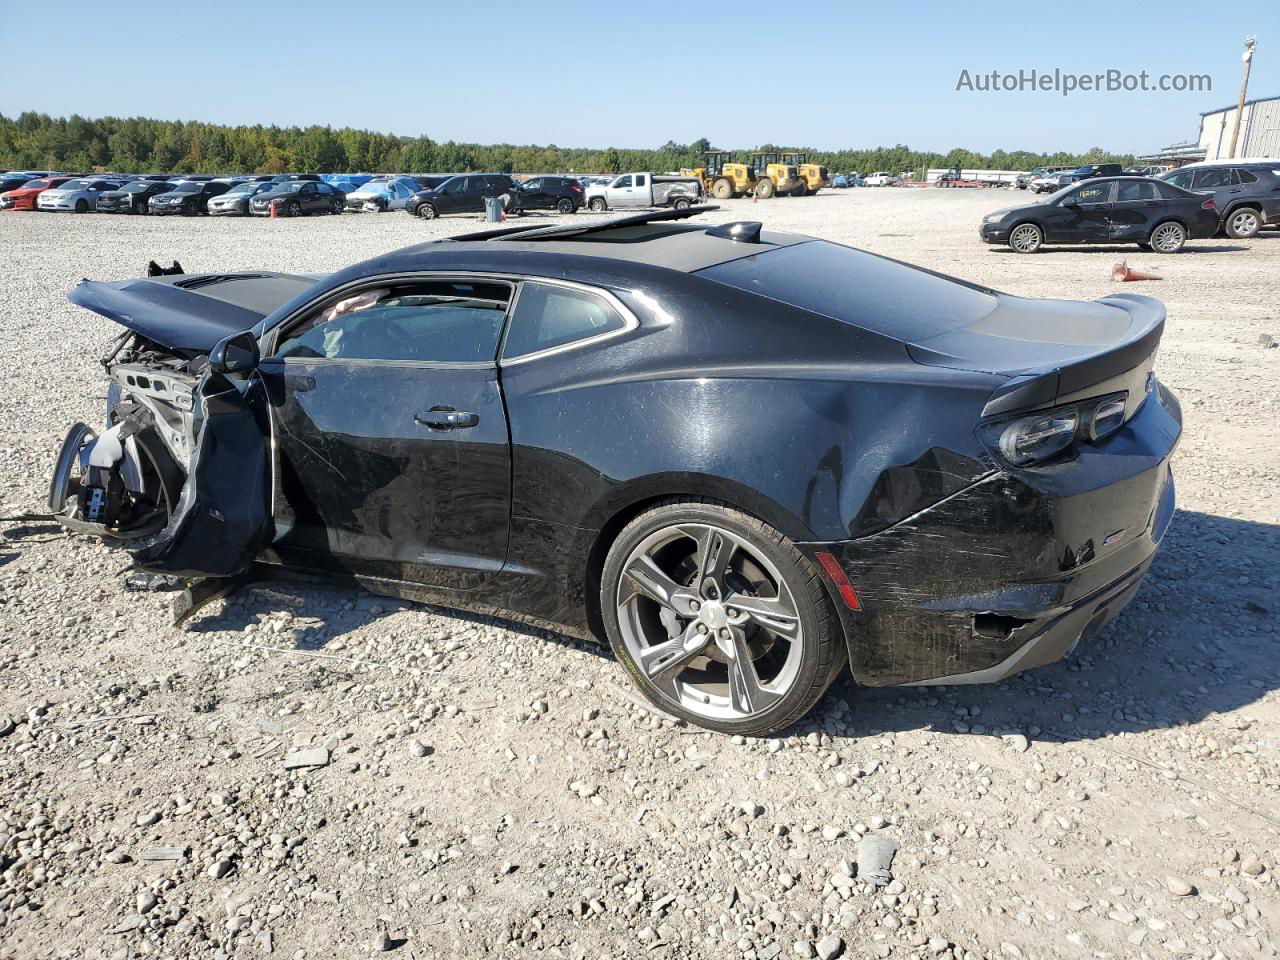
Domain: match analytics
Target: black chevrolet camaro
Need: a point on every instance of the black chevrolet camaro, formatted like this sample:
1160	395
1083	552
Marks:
748	459
1151	213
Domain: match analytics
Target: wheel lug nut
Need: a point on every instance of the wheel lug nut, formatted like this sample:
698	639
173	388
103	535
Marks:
694	605
724	634
702	628
732	612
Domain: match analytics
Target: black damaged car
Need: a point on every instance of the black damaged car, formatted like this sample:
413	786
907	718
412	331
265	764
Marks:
134	197
751	460
1151	213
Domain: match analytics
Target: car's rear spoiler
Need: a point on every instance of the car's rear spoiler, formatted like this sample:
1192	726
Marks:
1054	351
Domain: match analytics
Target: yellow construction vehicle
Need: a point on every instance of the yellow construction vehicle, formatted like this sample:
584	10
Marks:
722	177
774	175
814	175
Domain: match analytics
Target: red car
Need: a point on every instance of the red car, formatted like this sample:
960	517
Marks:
24	198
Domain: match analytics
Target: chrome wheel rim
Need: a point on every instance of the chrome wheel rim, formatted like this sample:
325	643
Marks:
710	622
1244	222
1025	238
1167	237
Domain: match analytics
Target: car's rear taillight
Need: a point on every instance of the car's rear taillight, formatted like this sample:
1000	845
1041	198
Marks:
1209	205
576	186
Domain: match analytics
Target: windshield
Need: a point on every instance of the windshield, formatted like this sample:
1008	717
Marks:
35	184
293	186
187	188
243	188
76	185
375	186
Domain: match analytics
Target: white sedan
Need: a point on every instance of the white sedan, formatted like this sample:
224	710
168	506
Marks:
78	196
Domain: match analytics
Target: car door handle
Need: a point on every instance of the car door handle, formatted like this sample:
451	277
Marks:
446	418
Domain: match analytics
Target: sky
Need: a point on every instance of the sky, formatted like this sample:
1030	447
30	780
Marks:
637	75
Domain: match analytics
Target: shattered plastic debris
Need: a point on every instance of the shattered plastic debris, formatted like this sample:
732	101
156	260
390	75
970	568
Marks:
149	582
875	855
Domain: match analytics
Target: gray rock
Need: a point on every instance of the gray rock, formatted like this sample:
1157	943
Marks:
875	857
830	947
219	869
1178	887
310	757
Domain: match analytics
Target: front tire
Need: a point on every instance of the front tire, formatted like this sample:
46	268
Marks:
764	188
294	209
82	205
1026	238
1243	223
597	205
718	618
426	211
1168	237
722	189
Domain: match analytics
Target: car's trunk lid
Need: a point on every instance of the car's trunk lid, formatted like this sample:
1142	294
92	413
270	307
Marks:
1053	351
190	313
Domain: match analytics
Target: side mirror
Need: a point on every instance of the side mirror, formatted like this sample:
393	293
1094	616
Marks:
238	353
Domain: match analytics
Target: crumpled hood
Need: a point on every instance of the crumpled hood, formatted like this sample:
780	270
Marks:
190	313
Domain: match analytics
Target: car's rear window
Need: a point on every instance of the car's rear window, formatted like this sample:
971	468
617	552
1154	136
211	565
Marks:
859	288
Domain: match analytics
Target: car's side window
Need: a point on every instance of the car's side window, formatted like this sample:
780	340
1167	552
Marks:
1093	193
641	180
1214	177
534	184
548	315
437	321
623	181
1135	190
1245	176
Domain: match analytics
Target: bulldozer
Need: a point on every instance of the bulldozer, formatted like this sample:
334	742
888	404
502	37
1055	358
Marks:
723	177
814	175
775	176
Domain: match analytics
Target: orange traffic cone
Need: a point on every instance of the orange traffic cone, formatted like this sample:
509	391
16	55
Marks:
275	209
1121	271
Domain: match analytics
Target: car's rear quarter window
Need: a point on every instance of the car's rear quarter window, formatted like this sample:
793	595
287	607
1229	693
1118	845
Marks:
860	288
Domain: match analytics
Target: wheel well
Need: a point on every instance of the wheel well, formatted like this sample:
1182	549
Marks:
1178	220
1243	205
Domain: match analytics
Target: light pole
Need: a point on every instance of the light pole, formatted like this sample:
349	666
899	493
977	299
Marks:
1249	43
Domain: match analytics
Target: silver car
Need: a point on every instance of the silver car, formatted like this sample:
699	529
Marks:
78	196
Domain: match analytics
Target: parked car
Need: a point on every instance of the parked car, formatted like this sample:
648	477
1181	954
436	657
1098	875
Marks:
25	196
14	181
1051	182
235	202
187	197
464	193
404	422
430	181
645	190
298	197
1153	214
78	195
1247	194
132	197
879	179
381	195
562	194
1090	170
1024	180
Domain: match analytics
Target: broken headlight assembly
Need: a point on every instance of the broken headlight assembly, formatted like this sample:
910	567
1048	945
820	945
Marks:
1039	437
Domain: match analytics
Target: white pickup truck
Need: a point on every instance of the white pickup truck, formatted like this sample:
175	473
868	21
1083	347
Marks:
644	190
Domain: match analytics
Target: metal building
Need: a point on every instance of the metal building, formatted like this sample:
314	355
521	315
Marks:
1259	130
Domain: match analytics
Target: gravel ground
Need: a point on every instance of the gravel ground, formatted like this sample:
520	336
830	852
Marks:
475	788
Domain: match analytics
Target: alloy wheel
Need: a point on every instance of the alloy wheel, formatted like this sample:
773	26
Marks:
1168	237
709	621
1244	223
1025	238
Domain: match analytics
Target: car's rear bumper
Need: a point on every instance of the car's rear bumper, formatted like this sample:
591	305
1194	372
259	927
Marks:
1014	570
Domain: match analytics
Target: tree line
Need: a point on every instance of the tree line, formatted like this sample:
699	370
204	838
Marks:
140	145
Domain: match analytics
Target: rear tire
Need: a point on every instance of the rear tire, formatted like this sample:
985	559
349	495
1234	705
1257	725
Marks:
1243	223
1026	238
598	205
682	204
335	207
736	676
564	206
799	190
722	189
1168	237
764	188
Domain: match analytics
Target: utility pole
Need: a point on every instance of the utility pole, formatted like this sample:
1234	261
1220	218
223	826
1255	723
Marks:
1249	43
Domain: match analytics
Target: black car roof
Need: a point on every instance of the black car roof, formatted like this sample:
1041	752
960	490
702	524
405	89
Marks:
649	238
